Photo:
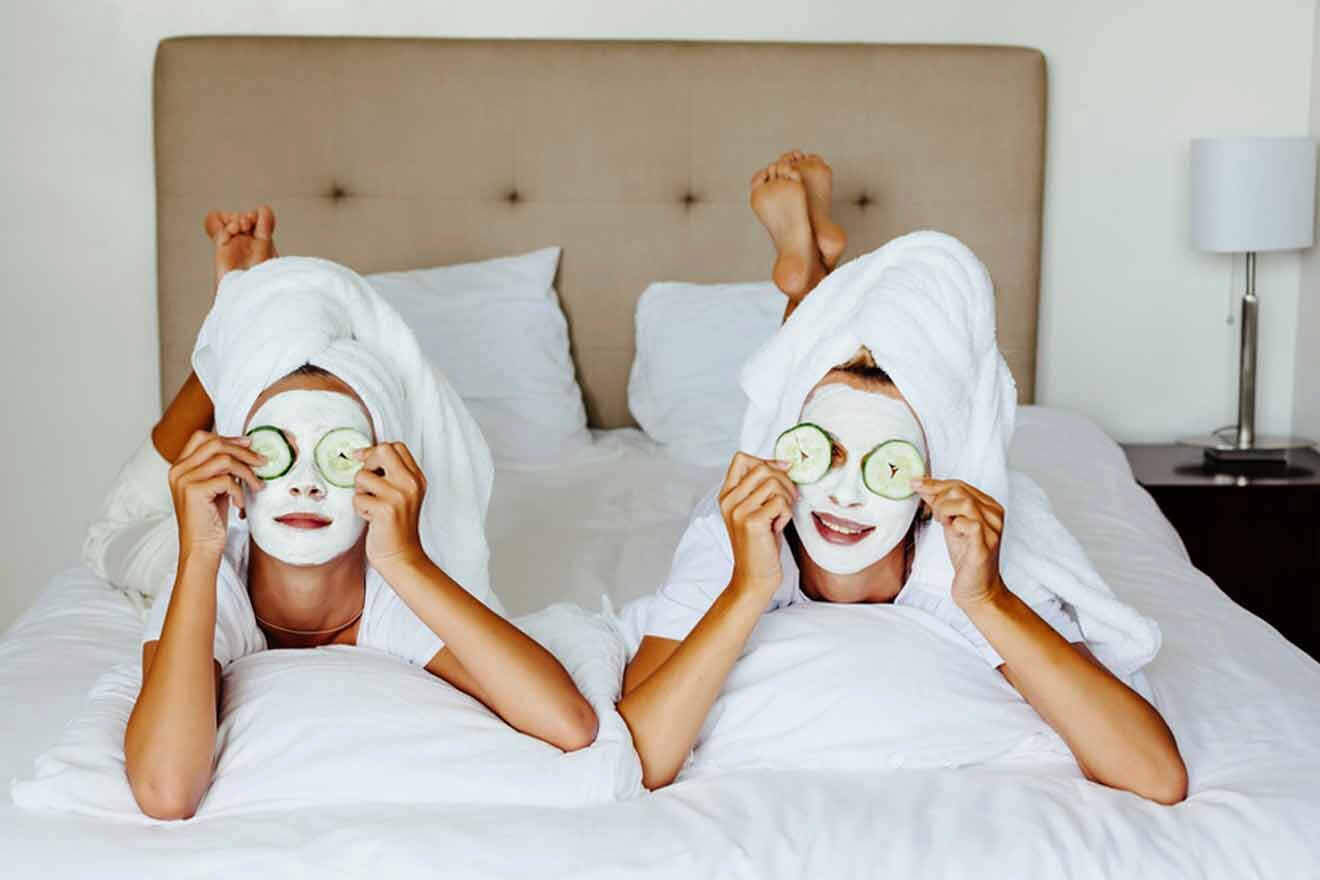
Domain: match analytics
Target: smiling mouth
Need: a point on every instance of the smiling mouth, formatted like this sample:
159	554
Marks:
837	530
303	520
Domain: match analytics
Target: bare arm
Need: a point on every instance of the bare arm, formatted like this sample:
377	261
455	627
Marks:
670	686
484	654
170	738
1117	737
492	660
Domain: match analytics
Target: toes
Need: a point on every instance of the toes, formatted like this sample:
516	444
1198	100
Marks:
786	170
213	223
265	223
761	176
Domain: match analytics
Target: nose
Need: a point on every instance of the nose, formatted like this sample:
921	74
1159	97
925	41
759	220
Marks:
307	488
847	488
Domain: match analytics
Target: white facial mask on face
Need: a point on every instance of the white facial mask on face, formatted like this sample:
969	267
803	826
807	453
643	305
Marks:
305	416
844	526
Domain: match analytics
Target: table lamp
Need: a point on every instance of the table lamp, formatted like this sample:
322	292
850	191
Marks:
1251	194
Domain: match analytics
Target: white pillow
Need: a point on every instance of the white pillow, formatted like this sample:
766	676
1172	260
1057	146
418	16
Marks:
497	333
692	340
855	688
341	725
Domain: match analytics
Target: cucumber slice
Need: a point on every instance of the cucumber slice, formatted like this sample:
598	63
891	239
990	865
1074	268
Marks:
271	442
810	450
888	469
334	455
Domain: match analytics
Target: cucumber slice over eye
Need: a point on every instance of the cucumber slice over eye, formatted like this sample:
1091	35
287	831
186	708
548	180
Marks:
272	443
334	455
888	469
810	450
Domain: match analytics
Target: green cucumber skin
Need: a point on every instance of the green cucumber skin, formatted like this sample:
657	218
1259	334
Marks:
287	445
824	433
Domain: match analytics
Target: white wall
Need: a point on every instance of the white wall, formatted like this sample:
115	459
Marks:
1306	381
1133	326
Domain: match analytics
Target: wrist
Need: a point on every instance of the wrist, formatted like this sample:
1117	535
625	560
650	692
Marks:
200	558
404	563
992	600
758	586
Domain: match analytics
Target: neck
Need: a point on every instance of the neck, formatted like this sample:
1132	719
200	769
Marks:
307	597
880	581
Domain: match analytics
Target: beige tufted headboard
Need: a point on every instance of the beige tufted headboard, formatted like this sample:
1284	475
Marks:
634	157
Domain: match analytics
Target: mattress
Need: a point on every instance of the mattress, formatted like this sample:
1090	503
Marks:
1243	703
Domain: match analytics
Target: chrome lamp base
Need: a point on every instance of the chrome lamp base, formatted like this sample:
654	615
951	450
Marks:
1221	448
1238	445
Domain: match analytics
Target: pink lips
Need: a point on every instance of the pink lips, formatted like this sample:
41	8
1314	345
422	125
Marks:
837	530
303	520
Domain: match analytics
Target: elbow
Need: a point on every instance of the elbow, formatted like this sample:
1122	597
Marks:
1164	783
166	799
577	728
656	772
655	778
1168	787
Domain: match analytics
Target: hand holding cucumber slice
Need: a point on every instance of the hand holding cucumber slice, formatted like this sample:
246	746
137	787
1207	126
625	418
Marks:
334	455
271	442
888	470
809	450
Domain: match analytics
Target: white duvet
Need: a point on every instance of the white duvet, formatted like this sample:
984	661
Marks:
1244	704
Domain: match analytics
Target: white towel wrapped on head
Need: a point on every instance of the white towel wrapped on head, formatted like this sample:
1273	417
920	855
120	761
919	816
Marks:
924	306
275	317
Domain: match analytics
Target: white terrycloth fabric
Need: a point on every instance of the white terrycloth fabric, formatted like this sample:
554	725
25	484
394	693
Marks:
924	306
269	320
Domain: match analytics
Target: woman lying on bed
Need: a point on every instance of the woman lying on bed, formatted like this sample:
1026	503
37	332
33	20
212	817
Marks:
852	539
332	553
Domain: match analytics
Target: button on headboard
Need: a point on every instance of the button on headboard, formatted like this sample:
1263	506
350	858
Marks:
634	157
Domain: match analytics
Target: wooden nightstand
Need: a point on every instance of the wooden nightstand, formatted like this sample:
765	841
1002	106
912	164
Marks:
1257	536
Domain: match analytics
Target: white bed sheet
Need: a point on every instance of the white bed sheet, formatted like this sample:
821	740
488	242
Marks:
1244	704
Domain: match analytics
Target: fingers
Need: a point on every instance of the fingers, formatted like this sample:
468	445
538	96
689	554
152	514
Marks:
406	456
371	483
962	508
194	441
755	475
229	464
392	464
207	454
741	464
223	484
756	507
371	508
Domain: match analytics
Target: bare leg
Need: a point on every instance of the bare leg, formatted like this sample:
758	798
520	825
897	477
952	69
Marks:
241	242
779	200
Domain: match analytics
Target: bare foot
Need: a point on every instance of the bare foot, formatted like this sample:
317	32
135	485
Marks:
241	240
818	178
779	200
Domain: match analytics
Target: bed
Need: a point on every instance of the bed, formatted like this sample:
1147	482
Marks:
542	127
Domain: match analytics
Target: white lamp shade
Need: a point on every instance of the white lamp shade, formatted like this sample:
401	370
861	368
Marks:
1253	193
